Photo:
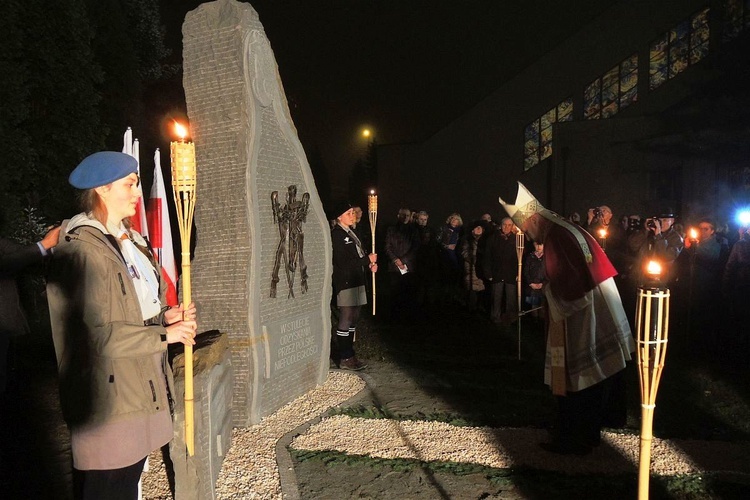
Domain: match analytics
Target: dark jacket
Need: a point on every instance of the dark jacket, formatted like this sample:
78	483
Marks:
665	247
14	257
500	262
533	272
348	266
402	242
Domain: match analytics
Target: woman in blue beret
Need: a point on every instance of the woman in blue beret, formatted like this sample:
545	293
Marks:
111	329
349	264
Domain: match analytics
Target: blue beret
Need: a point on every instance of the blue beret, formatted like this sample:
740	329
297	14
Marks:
102	168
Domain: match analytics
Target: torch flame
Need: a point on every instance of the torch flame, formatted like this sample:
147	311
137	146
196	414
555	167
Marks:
653	268
181	130
602	233
693	234
372	191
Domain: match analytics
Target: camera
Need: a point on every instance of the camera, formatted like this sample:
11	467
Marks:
597	213
634	224
651	222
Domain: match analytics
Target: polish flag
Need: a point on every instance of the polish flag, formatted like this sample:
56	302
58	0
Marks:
131	147
161	231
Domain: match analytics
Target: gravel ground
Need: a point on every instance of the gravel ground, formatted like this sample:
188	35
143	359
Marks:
414	374
251	468
505	448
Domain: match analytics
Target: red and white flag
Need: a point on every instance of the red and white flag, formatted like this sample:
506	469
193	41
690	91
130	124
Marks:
132	148
160	230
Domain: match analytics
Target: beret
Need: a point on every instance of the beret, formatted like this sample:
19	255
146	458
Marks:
102	168
338	208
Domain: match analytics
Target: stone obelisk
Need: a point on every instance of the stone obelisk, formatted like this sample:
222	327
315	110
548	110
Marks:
260	226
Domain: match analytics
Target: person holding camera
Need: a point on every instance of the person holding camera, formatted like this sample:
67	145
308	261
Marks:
657	240
598	216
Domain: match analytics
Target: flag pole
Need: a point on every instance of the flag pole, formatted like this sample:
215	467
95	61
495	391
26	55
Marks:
183	185
160	231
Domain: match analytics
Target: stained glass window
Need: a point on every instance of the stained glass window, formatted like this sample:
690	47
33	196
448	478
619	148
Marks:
676	50
736	18
538	134
613	91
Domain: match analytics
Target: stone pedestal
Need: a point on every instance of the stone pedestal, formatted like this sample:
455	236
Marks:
195	477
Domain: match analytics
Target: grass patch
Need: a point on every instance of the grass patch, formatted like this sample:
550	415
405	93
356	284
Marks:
551	485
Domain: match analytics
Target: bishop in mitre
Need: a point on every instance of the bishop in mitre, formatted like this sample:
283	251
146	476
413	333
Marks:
589	339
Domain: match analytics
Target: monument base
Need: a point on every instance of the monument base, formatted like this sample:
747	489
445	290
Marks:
195	477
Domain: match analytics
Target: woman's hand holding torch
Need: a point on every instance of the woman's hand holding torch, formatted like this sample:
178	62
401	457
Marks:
181	324
373	262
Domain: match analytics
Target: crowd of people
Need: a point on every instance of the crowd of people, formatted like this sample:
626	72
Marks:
476	265
578	276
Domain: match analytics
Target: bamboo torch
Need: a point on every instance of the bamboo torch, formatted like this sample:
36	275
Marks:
183	185
520	241
652	323
372	209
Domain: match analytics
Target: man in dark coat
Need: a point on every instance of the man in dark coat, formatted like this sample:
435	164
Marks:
14	257
401	245
500	268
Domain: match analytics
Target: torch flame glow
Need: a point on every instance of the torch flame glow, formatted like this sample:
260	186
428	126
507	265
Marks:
693	234
602	233
653	268
181	130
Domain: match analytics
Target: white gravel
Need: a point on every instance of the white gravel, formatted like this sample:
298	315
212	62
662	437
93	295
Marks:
250	469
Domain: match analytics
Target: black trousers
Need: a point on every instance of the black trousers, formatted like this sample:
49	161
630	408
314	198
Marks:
112	484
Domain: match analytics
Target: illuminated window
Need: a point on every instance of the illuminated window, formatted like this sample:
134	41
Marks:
680	47
613	91
538	134
736	18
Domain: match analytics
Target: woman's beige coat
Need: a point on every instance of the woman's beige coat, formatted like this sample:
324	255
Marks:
112	367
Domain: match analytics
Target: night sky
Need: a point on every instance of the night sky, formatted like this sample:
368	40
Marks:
404	68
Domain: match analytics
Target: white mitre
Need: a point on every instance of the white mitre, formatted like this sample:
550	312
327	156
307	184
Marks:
526	206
